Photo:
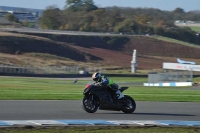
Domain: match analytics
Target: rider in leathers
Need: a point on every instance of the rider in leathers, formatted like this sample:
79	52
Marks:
102	80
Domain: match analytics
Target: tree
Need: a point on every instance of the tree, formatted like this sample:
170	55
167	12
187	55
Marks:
80	5
11	18
50	18
83	15
127	26
178	14
142	19
179	10
159	30
25	22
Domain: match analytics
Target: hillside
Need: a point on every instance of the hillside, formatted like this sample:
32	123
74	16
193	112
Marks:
110	52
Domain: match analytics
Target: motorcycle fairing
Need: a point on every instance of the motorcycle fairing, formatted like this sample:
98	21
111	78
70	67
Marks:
105	97
123	88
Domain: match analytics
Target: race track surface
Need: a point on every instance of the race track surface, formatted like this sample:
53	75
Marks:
71	109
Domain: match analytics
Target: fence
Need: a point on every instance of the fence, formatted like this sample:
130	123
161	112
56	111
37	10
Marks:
48	70
172	76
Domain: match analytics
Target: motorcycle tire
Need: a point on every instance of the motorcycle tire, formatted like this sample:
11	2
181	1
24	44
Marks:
130	105
89	106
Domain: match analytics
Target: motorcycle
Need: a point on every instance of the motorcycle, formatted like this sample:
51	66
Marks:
103	98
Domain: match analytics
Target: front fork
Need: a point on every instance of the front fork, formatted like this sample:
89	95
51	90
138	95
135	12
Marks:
90	97
93	99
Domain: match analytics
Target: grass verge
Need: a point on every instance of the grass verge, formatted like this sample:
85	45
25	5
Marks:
64	89
101	129
175	41
194	28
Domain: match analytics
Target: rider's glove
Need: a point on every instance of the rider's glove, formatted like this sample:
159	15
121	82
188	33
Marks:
98	84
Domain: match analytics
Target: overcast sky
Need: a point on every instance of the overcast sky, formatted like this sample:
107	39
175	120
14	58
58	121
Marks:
169	5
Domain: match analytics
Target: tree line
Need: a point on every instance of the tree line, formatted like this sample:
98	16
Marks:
84	15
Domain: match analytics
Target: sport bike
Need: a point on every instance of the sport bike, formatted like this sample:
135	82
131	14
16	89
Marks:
103	98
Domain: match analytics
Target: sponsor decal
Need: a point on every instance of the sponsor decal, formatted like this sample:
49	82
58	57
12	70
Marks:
178	66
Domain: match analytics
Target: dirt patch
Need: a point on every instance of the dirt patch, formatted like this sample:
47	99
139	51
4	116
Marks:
22	49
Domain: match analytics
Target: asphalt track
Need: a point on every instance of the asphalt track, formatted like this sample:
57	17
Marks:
71	109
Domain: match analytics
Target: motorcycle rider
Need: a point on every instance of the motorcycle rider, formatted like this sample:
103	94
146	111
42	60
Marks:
102	80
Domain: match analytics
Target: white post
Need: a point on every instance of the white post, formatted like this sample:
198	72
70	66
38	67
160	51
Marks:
134	62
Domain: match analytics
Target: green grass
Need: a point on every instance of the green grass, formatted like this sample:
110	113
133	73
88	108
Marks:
31	24
196	79
128	79
194	28
63	89
175	41
102	129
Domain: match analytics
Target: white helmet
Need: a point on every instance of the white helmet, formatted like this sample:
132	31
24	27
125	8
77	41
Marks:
96	76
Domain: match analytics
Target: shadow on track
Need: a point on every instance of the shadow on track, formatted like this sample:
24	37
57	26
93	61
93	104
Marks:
162	114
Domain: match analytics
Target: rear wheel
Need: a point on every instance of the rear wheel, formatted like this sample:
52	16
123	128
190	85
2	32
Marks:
89	105
129	104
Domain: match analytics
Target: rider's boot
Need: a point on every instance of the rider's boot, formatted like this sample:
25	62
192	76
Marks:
120	94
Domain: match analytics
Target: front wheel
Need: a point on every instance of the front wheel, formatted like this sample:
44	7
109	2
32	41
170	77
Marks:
129	104
89	105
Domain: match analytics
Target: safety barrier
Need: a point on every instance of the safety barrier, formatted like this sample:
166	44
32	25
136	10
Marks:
169	84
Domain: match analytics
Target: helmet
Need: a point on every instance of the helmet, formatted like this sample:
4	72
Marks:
96	76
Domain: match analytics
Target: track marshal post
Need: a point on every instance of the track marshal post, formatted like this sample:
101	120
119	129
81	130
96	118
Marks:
134	62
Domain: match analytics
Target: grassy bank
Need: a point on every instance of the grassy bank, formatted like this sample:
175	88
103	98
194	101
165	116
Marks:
101	129
175	41
64	89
